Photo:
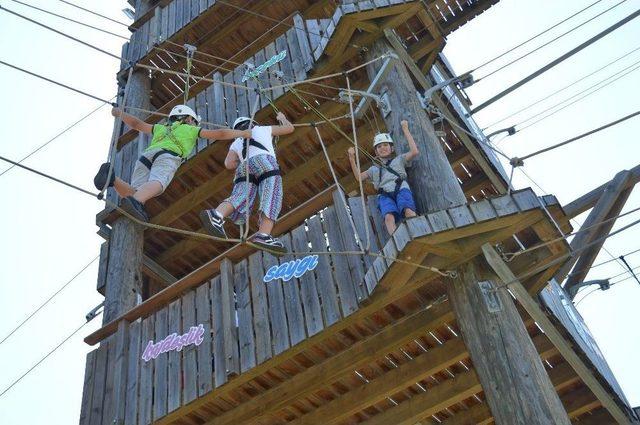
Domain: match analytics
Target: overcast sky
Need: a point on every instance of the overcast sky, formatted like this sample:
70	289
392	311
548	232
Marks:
48	234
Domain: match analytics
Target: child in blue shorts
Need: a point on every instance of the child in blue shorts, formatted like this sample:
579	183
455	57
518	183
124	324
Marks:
395	199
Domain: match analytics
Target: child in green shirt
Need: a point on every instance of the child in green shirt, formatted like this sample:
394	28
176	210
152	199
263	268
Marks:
154	170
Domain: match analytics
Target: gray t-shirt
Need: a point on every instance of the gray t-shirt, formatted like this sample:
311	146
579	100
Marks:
385	179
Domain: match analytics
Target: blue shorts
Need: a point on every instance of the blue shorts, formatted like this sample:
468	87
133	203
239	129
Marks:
402	201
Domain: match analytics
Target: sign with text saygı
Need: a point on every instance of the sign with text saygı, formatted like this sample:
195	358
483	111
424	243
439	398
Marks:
291	269
253	73
174	342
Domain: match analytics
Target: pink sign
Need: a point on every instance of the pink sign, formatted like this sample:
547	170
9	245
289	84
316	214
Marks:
174	342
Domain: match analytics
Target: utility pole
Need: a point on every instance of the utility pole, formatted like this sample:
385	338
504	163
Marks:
516	385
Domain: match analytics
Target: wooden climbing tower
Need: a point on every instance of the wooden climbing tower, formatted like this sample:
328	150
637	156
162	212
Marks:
430	325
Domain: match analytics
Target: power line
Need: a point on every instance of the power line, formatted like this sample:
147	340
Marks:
576	138
46	356
519	58
47	176
594	89
533	37
556	61
55	137
34	312
94	13
562	89
61	33
71	20
84	93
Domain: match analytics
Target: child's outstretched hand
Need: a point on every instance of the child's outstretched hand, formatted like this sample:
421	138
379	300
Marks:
116	112
351	151
281	117
404	124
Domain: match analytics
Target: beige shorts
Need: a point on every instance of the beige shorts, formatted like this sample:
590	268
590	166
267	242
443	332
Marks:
162	169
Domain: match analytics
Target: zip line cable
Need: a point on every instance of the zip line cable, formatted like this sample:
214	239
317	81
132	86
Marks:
606	84
61	33
94	13
519	58
556	61
47	355
66	129
519	160
84	93
561	89
71	20
533	37
34	312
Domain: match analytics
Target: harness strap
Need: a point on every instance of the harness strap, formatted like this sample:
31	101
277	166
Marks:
257	180
254	143
398	181
149	162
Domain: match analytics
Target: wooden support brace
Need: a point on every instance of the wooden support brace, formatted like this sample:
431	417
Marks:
534	310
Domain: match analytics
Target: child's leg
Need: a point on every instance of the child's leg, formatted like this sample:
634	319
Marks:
266	224
406	203
389	210
149	190
162	170
270	192
225	209
390	223
123	188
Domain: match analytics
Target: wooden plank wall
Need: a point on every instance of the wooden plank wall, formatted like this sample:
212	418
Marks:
246	322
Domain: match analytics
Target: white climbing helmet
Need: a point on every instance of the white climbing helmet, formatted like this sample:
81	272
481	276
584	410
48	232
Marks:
180	110
240	120
382	138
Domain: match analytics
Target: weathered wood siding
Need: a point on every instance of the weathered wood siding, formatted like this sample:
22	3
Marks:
246	322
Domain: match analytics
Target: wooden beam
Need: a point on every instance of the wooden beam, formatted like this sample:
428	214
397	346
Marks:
495	179
314	378
588	256
589	199
430	402
392	382
599	213
565	348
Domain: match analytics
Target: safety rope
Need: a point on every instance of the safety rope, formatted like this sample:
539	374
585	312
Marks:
365	209
187	83
341	193
111	156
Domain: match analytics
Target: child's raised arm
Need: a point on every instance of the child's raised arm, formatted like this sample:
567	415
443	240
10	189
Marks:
413	149
354	167
224	134
285	126
132	122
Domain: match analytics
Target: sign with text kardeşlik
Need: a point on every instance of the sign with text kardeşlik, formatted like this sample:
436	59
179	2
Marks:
291	269
174	342
253	73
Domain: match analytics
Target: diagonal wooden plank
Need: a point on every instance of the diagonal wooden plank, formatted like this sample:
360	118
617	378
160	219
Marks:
319	375
534	310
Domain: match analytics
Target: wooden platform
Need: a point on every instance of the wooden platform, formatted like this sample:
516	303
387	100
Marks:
356	340
203	182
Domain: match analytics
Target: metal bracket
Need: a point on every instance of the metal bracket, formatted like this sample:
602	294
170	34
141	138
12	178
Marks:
190	49
381	99
490	296
94	312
